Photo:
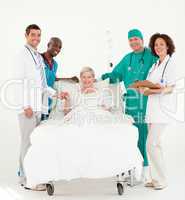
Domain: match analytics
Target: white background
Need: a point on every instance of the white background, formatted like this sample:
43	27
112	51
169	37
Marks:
82	25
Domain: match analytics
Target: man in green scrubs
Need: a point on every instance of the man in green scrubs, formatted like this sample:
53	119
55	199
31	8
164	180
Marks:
133	67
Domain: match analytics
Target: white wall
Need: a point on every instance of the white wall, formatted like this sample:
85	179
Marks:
82	26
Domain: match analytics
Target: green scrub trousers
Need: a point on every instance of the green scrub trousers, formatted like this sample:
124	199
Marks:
133	67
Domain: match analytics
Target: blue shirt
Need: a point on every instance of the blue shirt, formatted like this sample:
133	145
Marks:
50	75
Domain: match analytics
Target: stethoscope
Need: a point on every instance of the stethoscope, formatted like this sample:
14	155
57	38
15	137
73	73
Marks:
162	77
36	64
141	60
38	67
31	54
164	69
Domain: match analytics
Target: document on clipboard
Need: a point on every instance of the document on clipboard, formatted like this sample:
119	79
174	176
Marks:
145	83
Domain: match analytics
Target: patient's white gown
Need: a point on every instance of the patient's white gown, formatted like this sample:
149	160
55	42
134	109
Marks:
89	142
91	108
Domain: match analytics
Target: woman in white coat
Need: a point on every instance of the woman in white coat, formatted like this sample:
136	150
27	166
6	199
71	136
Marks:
161	105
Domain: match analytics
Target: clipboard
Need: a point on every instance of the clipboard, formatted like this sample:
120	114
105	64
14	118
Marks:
145	83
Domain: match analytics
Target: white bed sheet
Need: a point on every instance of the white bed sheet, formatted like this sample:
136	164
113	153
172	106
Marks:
68	152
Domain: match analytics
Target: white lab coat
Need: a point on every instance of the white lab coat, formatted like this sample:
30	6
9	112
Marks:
33	94
161	108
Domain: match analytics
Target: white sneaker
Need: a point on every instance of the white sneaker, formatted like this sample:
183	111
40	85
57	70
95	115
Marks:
159	186
150	183
40	187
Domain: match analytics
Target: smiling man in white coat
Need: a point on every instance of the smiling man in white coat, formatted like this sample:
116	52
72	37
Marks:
30	71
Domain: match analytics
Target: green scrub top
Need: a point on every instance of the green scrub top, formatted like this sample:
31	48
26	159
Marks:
134	66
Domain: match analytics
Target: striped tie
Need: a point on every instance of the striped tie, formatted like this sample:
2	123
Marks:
42	73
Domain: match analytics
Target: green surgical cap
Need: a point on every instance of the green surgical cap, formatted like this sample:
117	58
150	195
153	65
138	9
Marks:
135	33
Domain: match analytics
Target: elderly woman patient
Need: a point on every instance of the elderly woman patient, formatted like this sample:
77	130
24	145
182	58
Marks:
92	104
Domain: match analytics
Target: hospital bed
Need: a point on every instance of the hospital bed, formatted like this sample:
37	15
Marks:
123	178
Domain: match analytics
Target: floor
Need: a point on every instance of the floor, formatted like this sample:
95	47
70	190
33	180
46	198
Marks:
93	189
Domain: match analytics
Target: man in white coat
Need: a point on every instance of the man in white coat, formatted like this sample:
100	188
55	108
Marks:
30	71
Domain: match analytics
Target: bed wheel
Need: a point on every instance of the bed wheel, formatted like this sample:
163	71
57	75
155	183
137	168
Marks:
50	189
120	188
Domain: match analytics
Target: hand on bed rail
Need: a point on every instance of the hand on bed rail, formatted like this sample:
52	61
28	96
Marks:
73	78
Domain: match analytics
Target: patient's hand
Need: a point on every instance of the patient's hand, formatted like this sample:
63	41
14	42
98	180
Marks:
66	96
63	95
67	104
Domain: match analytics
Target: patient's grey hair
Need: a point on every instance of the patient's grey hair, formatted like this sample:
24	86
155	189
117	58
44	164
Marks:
87	69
